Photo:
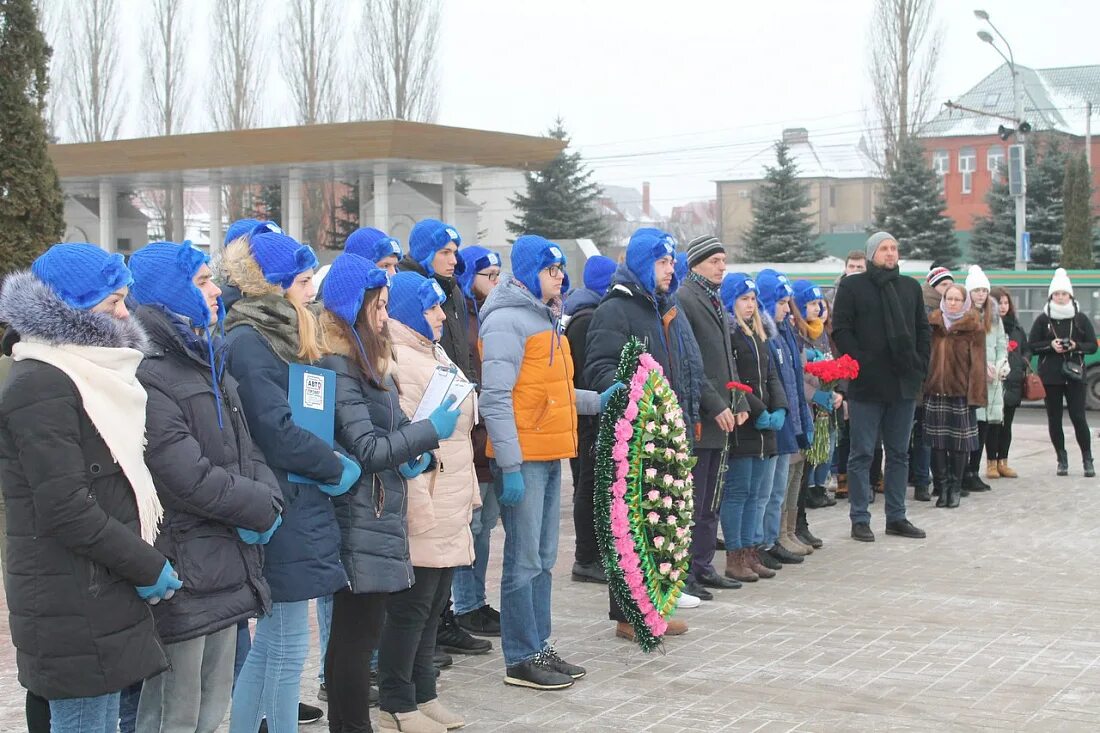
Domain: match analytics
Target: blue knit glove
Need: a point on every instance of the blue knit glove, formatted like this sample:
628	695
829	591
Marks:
351	474
512	492
778	418
251	537
416	466
763	421
444	419
165	587
813	354
824	400
607	393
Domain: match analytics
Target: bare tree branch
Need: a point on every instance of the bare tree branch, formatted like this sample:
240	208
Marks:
401	41
904	51
311	39
237	65
95	87
164	48
50	16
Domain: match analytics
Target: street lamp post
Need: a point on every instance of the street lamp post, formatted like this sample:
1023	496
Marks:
1018	114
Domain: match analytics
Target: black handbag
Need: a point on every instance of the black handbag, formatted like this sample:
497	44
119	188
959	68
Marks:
1073	370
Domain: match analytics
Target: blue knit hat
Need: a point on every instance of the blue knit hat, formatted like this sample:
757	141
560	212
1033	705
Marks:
411	294
249	228
681	265
281	258
372	244
772	287
597	273
474	259
429	236
531	254
806	292
81	274
346	284
734	285
646	246
164	274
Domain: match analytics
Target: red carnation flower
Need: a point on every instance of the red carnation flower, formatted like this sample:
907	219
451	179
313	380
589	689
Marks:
739	386
1013	345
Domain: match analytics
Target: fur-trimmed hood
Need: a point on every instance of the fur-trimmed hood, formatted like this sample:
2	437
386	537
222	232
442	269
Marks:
35	312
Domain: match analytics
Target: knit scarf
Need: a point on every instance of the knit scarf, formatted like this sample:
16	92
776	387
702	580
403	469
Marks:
274	317
114	401
900	340
1058	312
815	328
712	292
950	319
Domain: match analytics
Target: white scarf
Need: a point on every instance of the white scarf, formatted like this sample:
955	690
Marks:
114	400
1057	311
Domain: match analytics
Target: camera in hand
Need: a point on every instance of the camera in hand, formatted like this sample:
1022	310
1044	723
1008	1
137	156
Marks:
1065	343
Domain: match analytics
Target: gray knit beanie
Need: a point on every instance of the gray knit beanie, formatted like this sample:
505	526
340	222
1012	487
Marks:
703	247
874	241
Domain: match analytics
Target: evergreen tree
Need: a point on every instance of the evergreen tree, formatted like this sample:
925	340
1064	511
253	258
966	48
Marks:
561	201
30	194
1077	236
912	209
993	240
347	215
269	204
1045	209
781	230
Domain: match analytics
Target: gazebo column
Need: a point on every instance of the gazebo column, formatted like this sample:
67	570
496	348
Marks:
449	196
293	186
364	208
108	209
179	219
217	234
381	219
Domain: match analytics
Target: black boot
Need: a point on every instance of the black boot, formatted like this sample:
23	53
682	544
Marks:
940	476
953	486
1090	471
815	500
920	493
1063	463
824	493
802	531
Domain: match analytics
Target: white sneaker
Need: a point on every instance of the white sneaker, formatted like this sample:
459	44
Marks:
830	483
688	601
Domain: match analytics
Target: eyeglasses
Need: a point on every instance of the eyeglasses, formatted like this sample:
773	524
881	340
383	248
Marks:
493	276
555	270
955	300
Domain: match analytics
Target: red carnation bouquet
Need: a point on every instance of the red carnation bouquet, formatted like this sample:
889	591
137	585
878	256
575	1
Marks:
829	372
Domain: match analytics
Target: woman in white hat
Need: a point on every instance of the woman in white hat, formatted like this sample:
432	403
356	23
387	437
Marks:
991	415
1061	336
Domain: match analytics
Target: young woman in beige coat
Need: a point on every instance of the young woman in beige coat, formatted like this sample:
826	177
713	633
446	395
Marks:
441	503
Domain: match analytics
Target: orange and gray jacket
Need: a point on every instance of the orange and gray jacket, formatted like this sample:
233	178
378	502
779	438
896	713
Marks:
528	401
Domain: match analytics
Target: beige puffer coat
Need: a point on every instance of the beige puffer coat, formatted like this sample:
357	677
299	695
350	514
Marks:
441	502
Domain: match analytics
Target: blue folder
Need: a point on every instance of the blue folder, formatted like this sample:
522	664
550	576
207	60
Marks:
312	397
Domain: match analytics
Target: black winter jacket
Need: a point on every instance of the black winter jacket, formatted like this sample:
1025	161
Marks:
1045	329
371	428
74	549
302	560
859	330
210	480
754	363
454	340
1017	361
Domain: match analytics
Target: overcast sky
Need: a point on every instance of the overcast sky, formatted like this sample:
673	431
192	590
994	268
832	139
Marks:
671	92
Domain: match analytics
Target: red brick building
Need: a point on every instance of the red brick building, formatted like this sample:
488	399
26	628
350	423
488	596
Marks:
964	146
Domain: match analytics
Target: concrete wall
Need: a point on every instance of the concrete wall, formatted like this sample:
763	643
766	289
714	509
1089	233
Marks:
406	207
81	225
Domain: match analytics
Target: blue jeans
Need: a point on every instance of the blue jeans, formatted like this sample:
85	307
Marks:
324	627
772	512
740	496
97	714
128	707
268	683
530	549
468	586
866	420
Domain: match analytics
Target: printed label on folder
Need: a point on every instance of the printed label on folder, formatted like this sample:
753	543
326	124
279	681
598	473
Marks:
313	391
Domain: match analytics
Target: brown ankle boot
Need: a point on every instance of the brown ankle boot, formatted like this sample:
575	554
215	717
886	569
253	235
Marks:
841	485
737	567
755	565
1005	471
992	470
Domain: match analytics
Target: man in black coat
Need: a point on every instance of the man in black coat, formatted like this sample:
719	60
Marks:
221	501
879	320
702	305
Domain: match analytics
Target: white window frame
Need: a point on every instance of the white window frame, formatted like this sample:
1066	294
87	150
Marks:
968	163
941	163
995	159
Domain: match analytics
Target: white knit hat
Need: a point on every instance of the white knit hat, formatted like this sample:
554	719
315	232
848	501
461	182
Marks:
975	279
1059	283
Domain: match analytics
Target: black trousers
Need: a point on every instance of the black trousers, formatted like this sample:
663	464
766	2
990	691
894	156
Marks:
406	675
1074	395
584	484
976	454
38	713
999	439
357	622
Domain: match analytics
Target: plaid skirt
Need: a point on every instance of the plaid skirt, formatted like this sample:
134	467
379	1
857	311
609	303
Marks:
950	424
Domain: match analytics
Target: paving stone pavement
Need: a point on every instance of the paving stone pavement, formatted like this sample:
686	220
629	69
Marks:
992	623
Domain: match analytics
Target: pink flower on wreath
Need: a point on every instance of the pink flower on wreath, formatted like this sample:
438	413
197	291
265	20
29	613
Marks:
680	532
631	411
653	495
651	427
667	502
678	483
674	575
624	545
619	452
669	454
670	520
681	505
623	430
636	393
658	542
651	473
653	517
665	568
650	448
618	489
681	456
619	512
